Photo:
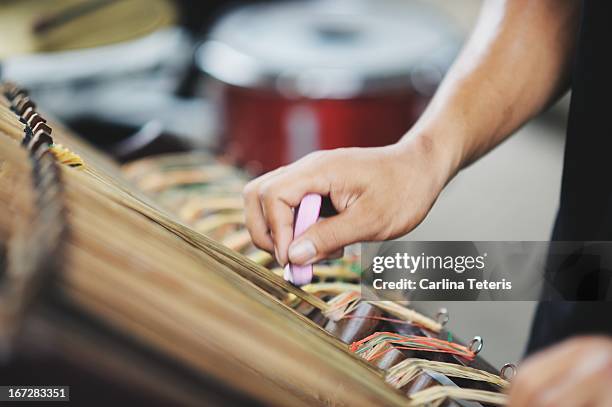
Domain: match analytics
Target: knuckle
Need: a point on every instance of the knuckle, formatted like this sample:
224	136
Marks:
249	190
264	191
268	190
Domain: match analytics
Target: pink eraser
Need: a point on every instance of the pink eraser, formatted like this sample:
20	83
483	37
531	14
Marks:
307	215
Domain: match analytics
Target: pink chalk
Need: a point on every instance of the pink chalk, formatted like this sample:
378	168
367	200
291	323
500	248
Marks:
307	215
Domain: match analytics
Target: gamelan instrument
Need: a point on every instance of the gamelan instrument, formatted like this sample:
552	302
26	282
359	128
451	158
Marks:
141	284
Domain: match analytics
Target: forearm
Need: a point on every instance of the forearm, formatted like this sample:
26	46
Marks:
516	62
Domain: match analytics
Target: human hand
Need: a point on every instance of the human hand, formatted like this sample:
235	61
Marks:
379	193
575	373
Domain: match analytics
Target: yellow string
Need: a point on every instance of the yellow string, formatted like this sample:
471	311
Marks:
67	157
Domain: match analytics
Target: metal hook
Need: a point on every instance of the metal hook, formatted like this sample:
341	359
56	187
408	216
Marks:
476	344
442	316
508	371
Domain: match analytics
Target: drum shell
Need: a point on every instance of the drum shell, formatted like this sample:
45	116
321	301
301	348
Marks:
295	77
264	130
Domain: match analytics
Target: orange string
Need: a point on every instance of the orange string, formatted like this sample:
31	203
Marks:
403	342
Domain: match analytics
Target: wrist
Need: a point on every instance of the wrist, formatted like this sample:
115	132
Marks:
440	149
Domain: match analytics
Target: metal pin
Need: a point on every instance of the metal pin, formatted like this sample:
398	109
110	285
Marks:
508	371
476	344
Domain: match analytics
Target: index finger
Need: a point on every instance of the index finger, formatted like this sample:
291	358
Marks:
253	213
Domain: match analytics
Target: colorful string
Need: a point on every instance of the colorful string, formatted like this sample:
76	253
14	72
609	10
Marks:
369	349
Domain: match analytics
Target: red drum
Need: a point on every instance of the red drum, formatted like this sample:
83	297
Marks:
302	76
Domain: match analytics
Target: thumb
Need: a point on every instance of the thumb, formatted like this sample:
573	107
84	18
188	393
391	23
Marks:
326	237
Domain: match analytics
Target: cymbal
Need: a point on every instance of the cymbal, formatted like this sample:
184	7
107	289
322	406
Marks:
33	26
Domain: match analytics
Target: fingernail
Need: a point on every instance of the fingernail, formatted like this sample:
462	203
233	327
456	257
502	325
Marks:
302	252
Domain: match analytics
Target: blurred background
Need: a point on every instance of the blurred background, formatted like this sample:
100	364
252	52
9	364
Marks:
262	83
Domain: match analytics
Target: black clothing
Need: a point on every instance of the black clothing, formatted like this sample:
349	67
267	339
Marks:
585	211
